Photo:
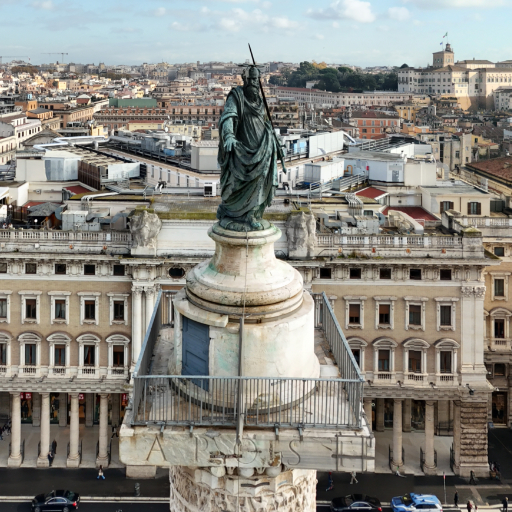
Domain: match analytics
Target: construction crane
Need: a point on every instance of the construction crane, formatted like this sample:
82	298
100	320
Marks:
13	57
57	53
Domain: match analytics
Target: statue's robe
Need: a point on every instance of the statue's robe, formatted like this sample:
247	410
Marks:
248	172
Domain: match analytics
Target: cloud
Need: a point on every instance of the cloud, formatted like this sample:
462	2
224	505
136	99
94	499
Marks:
161	11
454	4
355	10
44	5
241	19
319	36
335	24
187	27
266	5
399	13
126	30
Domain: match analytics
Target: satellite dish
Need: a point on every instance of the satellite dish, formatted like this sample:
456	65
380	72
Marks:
166	129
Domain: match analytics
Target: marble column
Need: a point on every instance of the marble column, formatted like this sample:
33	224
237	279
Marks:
73	457
430	466
42	461
379	413
116	408
149	298
406	415
368	411
103	444
63	410
397	433
89	409
136	323
15	459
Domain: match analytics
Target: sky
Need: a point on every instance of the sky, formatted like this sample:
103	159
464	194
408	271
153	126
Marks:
356	32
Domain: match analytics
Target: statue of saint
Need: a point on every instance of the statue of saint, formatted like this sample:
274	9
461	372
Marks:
248	155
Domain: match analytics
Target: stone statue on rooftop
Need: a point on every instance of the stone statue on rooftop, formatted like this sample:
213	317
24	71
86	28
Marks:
248	156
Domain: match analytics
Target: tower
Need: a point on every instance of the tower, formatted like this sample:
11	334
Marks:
443	58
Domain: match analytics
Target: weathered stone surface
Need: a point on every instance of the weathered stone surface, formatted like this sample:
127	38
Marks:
145	228
301	235
199	491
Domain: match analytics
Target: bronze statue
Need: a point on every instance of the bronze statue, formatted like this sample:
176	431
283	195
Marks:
248	154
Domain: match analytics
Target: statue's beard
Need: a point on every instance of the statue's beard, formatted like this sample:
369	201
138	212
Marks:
251	92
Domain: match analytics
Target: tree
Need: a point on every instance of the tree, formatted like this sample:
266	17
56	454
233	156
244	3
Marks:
404	66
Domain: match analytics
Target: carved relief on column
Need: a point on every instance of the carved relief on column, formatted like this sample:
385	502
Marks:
297	492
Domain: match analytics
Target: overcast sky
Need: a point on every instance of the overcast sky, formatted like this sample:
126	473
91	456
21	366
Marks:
363	33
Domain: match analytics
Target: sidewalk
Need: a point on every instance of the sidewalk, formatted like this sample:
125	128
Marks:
29	482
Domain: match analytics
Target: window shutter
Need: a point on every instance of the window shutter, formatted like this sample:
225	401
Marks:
478	208
451	205
469	208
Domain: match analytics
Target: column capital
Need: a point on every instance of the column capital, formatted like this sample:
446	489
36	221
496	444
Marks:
74	395
150	291
430	403
104	395
137	291
398	400
44	395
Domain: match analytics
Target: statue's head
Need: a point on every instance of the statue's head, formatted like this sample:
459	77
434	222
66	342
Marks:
251	82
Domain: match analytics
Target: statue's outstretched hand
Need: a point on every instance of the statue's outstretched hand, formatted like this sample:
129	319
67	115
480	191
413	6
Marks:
229	144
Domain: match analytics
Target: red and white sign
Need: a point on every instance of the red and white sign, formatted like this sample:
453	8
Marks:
80	396
28	396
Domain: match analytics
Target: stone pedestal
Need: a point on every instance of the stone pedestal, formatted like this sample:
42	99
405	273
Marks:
194	490
245	277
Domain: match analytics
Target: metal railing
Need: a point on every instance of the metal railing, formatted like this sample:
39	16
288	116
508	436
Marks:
326	320
152	332
260	401
390	457
265	401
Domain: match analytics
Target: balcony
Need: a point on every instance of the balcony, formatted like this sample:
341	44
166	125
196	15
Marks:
324	414
498	344
67	242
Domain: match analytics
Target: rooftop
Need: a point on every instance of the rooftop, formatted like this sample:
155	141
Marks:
371	192
415	212
499	167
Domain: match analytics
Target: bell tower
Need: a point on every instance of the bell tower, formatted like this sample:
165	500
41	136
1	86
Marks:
443	58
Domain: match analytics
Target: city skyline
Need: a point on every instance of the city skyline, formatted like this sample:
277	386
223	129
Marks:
358	32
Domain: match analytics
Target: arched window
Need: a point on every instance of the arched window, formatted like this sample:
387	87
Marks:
358	345
446	360
384	359
88	355
118	350
415	359
5	353
59	343
30	353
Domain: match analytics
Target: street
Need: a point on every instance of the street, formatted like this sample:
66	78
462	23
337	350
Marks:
12	506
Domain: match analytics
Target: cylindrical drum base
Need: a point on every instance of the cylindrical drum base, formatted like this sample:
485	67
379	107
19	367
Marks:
198	490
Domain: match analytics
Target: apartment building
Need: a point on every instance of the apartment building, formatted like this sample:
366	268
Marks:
19	126
373	124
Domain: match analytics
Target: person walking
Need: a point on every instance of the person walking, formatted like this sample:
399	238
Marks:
472	480
353	477
100	474
50	458
505	504
456	499
330	485
469	506
54	447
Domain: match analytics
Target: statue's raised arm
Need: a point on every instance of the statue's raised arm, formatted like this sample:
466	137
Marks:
248	156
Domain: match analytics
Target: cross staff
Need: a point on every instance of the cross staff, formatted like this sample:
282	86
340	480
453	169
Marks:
281	156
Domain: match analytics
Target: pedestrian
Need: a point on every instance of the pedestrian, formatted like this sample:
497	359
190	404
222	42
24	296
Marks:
353	478
330	485
114	432
100	474
54	447
469	506
505	504
456	499
472	480
50	458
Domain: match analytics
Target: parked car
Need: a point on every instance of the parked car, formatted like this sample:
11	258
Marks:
56	501
355	503
416	502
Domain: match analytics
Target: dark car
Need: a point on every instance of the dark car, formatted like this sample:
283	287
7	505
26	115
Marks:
355	503
61	501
